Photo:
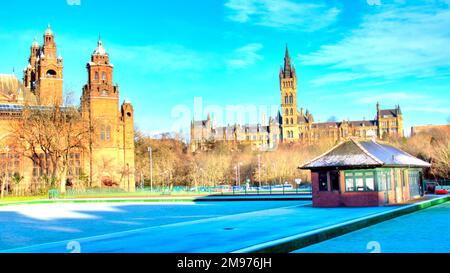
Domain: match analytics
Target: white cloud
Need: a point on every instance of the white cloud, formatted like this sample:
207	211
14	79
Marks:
246	56
396	42
282	13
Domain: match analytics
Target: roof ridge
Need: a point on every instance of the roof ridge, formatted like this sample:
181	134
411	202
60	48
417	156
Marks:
324	154
367	152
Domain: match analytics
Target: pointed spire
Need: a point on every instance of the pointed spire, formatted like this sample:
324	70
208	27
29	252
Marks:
287	58
286	54
287	69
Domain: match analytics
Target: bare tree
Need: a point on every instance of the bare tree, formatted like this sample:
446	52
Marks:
48	135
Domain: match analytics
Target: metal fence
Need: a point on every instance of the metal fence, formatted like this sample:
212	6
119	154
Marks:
184	190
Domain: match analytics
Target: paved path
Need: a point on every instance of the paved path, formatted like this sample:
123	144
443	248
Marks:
425	231
246	224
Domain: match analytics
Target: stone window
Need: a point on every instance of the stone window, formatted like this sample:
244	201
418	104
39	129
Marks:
105	132
74	170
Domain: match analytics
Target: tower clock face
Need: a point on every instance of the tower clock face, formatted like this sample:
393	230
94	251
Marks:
105	93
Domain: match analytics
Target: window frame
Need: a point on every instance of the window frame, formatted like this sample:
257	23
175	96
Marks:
352	177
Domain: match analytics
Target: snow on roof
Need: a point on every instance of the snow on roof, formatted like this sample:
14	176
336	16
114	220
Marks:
355	153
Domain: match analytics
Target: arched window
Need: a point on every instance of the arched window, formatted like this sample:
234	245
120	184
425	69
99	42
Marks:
292	121
287	112
286	100
51	73
103	76
292	111
96	76
291	99
287	121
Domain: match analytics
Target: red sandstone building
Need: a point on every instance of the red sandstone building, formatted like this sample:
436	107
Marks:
365	173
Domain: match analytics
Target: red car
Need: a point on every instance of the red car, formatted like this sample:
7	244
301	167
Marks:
441	191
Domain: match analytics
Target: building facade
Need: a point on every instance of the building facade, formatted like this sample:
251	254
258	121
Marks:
108	160
294	125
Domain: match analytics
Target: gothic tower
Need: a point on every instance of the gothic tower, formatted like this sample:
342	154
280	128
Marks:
44	74
288	88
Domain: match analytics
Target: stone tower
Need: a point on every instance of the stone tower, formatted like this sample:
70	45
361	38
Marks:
111	146
288	88
43	75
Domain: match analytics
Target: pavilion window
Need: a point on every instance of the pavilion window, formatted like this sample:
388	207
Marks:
360	181
323	181
334	179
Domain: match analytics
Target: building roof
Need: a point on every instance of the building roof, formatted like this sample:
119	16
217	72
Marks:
326	125
11	89
9	84
357	154
389	113
363	123
20	108
100	50
48	31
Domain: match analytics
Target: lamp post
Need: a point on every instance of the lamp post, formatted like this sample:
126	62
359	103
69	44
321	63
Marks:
259	170
5	185
151	168
235	168
238	173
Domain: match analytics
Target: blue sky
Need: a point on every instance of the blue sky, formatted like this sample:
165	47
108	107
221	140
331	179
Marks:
349	54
